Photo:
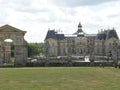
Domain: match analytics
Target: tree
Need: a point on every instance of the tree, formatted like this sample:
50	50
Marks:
35	49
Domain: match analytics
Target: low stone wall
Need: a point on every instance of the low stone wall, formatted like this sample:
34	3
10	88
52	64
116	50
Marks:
68	64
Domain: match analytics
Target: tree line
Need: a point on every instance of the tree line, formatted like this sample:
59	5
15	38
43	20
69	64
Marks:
35	49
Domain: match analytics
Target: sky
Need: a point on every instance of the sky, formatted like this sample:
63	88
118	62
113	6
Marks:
38	16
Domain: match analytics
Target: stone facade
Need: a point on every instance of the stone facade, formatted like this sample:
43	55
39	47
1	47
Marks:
6	54
82	44
20	45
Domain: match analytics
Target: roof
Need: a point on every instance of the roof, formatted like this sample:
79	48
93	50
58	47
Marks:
107	34
60	36
101	36
79	25
8	28
79	30
52	34
112	34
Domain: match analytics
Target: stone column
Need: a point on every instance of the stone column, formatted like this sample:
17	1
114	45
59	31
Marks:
21	54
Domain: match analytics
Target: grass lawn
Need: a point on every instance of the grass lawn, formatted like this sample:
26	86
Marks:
60	78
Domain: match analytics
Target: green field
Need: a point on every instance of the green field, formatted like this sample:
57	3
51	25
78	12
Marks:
60	78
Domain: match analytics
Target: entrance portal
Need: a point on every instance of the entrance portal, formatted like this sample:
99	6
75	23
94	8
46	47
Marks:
20	45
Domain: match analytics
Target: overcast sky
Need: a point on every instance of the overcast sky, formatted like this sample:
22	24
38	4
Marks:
36	16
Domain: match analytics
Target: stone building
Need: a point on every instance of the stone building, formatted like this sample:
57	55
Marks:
20	45
104	43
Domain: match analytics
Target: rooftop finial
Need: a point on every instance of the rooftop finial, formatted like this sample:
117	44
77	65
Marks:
79	28
113	28
79	25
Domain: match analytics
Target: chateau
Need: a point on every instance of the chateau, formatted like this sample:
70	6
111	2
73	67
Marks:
105	43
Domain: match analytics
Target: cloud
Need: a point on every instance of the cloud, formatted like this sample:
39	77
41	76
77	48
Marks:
36	16
114	15
76	3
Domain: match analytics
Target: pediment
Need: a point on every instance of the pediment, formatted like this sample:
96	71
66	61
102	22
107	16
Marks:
8	28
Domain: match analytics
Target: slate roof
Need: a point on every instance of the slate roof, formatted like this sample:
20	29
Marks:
79	25
52	34
101	36
112	34
107	34
60	36
79	31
